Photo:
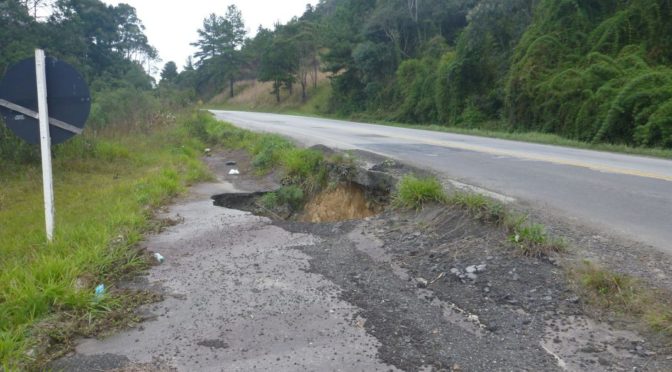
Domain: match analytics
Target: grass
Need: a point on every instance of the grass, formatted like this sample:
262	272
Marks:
105	191
528	238
624	296
414	193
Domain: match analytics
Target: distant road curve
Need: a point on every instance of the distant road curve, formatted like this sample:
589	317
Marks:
629	196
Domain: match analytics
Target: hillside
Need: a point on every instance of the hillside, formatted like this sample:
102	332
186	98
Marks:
256	95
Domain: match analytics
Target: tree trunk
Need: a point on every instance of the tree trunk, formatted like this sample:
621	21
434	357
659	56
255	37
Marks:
277	91
304	96
231	81
315	73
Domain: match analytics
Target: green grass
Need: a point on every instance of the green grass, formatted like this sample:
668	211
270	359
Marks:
414	193
105	197
532	240
479	206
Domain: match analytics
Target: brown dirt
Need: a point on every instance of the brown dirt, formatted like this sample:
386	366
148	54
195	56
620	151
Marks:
342	203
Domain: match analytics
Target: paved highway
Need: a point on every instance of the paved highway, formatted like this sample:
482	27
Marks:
622	195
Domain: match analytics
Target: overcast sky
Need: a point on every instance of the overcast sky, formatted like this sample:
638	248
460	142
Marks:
172	25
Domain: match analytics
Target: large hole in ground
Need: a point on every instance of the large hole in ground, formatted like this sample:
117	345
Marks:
339	202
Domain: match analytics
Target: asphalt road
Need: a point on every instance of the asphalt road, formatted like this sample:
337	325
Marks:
620	195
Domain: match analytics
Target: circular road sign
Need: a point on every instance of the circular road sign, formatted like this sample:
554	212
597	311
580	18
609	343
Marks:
68	100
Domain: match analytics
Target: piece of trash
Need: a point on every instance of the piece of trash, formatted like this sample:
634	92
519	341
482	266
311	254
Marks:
230	162
421	282
100	291
159	258
234	171
207	151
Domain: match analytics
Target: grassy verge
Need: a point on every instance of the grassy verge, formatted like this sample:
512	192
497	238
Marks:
305	169
528	238
106	192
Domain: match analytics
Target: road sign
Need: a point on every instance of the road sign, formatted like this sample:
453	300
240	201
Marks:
44	100
68	99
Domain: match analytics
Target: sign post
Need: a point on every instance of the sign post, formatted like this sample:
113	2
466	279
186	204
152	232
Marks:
44	101
45	142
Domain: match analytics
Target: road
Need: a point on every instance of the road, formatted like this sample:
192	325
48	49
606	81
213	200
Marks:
620	195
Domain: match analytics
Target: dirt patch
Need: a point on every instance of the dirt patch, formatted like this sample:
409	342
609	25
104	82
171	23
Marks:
341	203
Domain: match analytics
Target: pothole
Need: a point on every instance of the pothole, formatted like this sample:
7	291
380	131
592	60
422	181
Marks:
342	201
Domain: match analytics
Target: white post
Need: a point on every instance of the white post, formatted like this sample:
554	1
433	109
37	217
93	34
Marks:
45	142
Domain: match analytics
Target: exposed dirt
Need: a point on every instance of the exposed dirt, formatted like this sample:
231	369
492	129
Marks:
341	203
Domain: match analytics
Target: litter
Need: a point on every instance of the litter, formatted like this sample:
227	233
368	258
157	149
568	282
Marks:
230	162
100	291
234	171
159	258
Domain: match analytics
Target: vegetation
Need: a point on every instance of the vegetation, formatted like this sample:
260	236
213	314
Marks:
586	72
415	193
625	297
529	239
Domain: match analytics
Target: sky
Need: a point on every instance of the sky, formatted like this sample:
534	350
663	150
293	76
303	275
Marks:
172	25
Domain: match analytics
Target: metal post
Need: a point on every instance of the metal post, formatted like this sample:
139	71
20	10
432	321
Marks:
45	142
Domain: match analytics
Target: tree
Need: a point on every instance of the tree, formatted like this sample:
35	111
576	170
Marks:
278	64
169	73
219	41
303	36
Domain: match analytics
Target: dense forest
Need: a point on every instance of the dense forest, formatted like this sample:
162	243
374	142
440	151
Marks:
595	71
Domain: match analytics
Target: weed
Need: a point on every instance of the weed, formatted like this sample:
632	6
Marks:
532	240
269	201
301	163
268	150
621	294
342	167
414	193
609	289
481	207
625	296
292	196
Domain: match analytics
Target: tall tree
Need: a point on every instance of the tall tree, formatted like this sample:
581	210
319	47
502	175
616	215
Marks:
278	65
220	41
169	73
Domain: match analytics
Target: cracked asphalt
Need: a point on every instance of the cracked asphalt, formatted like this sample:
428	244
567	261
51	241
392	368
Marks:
238	298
